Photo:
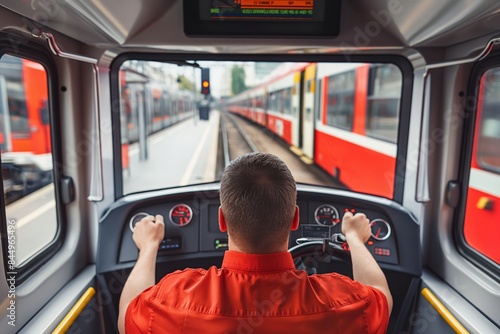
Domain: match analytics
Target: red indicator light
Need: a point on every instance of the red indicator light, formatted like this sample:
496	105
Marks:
370	243
353	210
382	251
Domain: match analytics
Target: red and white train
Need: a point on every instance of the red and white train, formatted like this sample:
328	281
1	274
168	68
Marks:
24	126
327	112
482	219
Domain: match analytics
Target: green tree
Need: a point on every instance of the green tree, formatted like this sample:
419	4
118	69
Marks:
185	83
238	80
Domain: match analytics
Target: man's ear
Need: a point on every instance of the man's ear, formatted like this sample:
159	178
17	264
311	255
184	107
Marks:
295	221
222	221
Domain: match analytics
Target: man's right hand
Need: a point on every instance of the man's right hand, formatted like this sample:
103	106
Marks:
365	269
357	226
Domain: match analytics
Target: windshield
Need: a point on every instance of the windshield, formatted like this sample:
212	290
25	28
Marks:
334	124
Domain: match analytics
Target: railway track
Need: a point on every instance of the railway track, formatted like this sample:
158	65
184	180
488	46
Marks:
238	136
235	141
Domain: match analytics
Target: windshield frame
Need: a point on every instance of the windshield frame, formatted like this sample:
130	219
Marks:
405	105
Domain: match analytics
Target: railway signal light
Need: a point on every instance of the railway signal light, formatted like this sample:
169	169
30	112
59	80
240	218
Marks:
205	81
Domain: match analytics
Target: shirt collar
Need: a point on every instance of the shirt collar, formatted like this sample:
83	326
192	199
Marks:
258	262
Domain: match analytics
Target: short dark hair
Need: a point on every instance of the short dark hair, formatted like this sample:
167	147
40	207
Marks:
258	196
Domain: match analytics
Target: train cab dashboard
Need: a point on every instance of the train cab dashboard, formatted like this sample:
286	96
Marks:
193	239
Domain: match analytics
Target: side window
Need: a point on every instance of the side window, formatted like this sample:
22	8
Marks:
272	99
287	100
260	102
309	86
317	102
279	100
482	216
340	103
26	156
384	93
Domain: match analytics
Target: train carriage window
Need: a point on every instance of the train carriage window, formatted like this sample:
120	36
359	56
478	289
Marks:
482	214
488	154
282	97
287	101
340	102
384	91
260	102
279	100
273	99
26	156
156	103
317	102
323	113
18	113
309	86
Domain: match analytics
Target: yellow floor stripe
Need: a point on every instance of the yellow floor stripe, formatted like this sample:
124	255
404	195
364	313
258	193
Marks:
306	160
296	150
75	311
443	311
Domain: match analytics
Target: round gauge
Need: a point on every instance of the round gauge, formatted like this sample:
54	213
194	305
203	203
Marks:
135	219
326	215
381	230
180	215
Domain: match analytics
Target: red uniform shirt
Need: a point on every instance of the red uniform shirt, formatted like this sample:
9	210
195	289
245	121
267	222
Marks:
257	293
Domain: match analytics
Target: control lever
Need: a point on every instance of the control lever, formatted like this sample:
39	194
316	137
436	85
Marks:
338	238
307	239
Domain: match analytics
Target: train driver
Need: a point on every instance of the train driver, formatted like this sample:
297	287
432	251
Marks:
257	289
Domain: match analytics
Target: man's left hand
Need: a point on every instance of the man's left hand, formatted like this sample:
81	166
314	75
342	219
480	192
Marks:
149	232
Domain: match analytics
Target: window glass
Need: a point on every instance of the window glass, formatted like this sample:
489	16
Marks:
309	86
317	105
341	100
383	102
488	153
185	146
279	100
260	102
287	101
273	102
17	109
26	158
481	228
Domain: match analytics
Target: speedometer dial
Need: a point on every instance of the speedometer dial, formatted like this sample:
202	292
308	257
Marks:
326	215
181	215
381	230
135	219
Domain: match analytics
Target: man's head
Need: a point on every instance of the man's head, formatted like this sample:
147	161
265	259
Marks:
258	201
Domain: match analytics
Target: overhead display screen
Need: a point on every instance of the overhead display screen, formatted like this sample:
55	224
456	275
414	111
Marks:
262	18
266	10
